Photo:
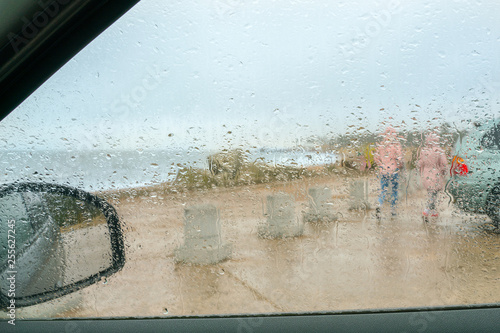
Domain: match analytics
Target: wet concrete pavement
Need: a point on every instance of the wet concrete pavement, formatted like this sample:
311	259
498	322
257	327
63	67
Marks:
357	262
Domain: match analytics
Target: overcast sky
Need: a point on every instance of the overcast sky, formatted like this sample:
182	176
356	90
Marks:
212	74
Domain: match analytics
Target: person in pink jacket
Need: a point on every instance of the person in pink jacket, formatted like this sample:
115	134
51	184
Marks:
389	159
433	166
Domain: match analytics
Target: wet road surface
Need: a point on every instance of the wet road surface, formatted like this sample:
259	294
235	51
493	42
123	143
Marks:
357	262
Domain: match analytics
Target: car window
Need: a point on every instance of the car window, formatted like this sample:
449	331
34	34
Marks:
29	221
274	157
492	138
25	229
37	211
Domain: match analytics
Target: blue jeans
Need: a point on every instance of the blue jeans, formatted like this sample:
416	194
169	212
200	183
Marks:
391	181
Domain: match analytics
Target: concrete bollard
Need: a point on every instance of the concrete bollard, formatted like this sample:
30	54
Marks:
359	195
202	237
320	205
409	184
281	220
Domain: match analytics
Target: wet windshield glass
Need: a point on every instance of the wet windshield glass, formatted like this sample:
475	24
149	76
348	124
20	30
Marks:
276	156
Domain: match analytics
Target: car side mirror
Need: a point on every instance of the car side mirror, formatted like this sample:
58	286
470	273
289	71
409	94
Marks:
54	240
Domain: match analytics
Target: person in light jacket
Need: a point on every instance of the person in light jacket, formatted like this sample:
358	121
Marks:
433	166
389	159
